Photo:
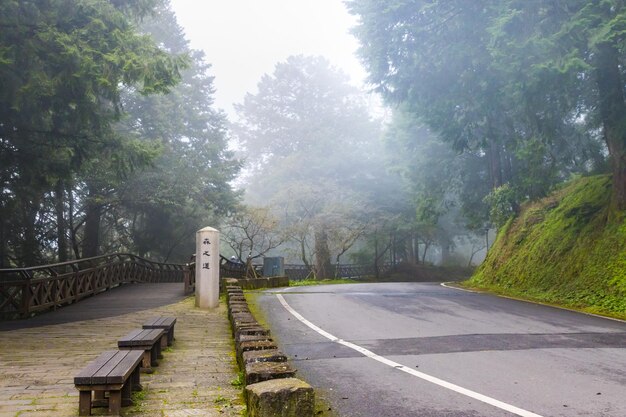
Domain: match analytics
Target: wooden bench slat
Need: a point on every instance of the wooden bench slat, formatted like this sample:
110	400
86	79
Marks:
132	335
157	321
101	376
160	322
168	321
140	337
115	372
125	367
165	323
84	376
152	321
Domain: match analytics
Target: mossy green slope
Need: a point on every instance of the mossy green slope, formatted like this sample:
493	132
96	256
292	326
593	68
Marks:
565	250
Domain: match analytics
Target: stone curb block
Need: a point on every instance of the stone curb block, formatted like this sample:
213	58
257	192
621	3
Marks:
264	371
253	338
251	330
247	346
267	355
287	397
271	389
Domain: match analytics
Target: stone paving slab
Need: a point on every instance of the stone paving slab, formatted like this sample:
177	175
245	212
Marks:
38	364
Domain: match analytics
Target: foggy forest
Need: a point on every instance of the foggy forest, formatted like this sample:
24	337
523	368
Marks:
110	140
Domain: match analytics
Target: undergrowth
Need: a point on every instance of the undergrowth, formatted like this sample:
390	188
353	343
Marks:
567	249
309	282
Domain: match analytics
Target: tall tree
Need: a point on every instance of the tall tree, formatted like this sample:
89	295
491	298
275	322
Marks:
188	185
572	55
445	62
434	56
62	65
308	128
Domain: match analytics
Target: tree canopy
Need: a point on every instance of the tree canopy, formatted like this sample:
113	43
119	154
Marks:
513	83
311	146
84	141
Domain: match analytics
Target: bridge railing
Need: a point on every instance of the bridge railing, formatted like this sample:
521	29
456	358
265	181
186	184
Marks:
349	271
190	277
24	291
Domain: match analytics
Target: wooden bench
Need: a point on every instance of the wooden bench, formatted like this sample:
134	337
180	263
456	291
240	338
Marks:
115	372
148	340
165	323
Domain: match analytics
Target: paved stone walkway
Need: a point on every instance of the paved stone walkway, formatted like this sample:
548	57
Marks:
195	377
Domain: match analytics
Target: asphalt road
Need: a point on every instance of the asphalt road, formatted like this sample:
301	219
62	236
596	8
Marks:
420	349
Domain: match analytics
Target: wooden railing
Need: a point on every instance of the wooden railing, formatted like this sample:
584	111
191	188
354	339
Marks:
231	269
302	272
24	291
190	277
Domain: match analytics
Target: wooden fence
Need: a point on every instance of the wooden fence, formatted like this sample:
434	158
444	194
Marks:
347	271
24	291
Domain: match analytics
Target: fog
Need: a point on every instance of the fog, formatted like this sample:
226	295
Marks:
244	39
327	131
315	141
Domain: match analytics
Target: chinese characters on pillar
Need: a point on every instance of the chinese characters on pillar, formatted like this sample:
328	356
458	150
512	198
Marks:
206	256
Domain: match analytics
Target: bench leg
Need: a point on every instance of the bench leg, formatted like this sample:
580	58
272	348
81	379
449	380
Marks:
84	403
170	336
146	362
155	353
115	402
126	392
159	347
164	341
135	379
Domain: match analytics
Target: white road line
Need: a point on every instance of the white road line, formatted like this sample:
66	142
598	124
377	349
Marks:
445	285
472	394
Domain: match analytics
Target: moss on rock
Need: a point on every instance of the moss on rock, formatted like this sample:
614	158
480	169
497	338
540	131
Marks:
565	249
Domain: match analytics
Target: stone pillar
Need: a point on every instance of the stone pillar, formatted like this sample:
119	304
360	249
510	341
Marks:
207	268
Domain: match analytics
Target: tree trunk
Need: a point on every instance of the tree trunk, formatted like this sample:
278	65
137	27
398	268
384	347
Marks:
59	206
72	227
376	269
323	265
495	159
93	213
426	246
303	253
3	244
29	246
613	115
494	162
411	250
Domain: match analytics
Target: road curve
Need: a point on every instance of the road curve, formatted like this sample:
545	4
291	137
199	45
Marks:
420	349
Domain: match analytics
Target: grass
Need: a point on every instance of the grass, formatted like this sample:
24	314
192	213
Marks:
220	399
310	282
568	249
239	381
138	398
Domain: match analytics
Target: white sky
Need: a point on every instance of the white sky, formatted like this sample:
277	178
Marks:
244	39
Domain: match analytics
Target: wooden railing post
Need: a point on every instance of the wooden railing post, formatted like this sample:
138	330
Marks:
26	297
75	271
186	280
